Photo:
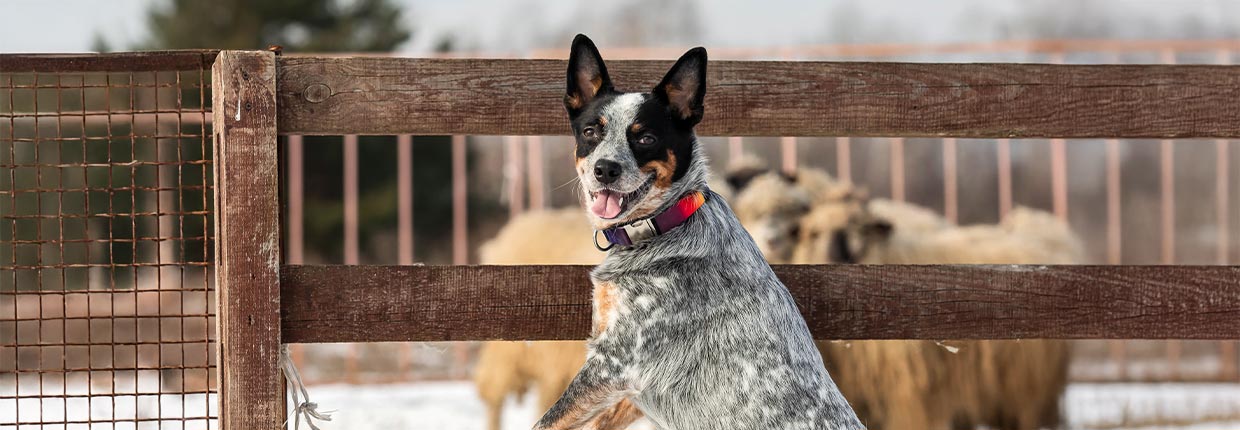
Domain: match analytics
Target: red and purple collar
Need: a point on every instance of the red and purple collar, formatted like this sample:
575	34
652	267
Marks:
637	231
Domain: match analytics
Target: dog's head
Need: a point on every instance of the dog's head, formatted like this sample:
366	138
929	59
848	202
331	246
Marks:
636	152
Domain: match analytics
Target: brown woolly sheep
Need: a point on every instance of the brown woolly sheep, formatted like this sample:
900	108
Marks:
1004	384
770	207
555	236
514	367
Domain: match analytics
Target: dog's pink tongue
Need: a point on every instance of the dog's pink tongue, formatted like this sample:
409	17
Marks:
606	205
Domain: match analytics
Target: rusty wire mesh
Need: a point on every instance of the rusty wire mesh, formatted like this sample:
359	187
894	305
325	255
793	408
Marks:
107	312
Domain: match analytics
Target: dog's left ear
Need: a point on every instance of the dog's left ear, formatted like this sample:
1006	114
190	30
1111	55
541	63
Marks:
684	87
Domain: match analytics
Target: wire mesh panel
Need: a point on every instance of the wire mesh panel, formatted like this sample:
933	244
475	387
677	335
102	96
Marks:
106	301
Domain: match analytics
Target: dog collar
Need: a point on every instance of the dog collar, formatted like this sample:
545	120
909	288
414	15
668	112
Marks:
637	231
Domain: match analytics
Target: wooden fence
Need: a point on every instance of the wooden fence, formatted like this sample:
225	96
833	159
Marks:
258	95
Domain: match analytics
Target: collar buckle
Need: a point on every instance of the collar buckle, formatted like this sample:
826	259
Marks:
641	230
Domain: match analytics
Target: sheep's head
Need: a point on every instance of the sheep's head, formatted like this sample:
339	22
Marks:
857	238
770	208
829	224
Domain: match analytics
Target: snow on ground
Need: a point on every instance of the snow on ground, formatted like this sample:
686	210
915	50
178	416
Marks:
454	406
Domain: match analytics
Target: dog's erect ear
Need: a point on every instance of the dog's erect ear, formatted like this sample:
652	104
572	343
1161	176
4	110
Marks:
684	87
587	75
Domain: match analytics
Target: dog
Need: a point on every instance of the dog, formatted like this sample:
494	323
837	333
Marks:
691	328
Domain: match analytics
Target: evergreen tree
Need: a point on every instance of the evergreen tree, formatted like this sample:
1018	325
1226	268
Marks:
297	25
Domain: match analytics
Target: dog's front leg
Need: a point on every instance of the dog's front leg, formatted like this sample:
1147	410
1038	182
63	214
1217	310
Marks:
593	392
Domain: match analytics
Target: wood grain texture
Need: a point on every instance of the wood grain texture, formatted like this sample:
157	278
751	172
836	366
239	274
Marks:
764	98
247	248
146	61
456	303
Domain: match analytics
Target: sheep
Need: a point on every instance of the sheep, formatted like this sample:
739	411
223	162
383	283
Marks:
514	367
920	384
550	236
770	208
1026	236
554	236
1005	384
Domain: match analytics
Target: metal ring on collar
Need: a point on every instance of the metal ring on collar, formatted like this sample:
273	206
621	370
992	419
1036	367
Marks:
600	247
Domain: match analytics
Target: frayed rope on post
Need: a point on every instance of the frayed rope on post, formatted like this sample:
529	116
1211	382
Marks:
295	386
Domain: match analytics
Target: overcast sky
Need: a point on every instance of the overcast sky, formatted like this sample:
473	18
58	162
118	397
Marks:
519	25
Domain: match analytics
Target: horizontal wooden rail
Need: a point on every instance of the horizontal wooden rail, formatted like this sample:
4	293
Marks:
367	95
146	61
458	303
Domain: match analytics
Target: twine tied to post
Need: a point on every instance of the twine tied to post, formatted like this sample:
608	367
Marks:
295	386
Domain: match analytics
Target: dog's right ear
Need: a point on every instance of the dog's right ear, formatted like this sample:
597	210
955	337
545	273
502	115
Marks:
587	75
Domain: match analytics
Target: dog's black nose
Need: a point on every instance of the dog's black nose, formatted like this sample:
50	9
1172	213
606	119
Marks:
606	171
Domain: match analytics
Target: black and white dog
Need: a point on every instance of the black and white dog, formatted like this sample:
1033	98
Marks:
691	326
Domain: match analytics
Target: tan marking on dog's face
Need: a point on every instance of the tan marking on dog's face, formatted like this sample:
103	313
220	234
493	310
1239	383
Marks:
605	296
636	127
663	170
602	120
617	417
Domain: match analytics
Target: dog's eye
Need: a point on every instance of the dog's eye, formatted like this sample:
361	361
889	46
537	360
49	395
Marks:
647	140
589	132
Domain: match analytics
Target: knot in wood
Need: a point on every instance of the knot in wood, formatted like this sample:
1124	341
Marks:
316	93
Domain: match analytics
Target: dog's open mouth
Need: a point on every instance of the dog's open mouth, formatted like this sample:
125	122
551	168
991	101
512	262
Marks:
609	204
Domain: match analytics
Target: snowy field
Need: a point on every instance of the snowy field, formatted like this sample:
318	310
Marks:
453	405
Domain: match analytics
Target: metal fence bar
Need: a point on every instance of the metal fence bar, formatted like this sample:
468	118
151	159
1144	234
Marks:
351	252
1059	165
1230	368
897	168
951	200
296	195
736	148
537	173
460	202
843	159
1004	155
788	154
404	195
513	175
1115	237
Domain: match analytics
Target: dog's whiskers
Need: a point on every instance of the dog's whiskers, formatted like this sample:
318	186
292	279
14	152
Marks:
575	179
